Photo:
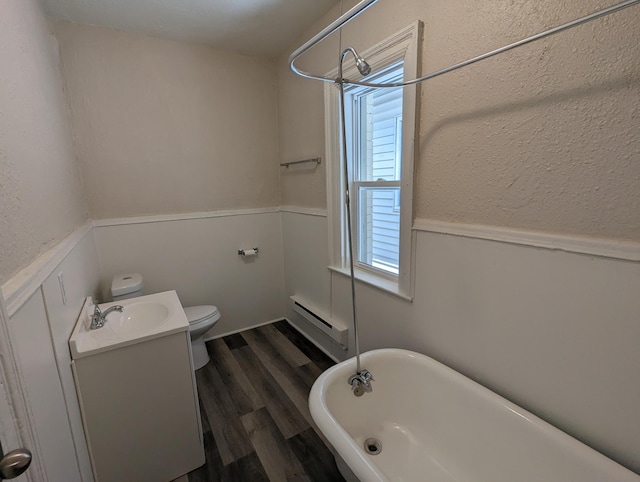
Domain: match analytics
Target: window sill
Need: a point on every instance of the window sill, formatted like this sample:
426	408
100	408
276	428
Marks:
378	282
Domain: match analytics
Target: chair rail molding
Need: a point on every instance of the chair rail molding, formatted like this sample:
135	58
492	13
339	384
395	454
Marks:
606	248
19	288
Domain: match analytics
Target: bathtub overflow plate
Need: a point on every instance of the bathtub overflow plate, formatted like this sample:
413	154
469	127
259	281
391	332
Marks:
372	446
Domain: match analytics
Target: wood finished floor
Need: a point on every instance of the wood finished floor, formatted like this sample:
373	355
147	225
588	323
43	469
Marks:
255	415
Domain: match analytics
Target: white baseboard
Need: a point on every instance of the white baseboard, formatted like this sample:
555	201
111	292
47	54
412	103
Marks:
233	332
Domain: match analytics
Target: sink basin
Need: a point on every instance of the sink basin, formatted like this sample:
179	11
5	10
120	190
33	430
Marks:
143	318
138	317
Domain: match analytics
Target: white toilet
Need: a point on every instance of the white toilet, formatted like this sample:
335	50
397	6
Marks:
201	318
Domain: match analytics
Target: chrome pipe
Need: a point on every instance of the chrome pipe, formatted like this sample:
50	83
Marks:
324	33
347	202
362	5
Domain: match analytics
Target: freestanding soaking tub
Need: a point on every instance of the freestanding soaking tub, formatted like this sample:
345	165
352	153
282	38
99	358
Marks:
425	422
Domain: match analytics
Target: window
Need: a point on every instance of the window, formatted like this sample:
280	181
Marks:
381	126
374	135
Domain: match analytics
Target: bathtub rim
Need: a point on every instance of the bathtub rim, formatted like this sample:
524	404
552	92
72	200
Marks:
364	468
340	440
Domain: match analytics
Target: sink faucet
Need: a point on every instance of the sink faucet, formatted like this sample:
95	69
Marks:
99	317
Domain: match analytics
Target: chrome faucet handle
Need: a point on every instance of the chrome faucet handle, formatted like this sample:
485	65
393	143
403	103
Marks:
99	317
367	378
96	318
361	383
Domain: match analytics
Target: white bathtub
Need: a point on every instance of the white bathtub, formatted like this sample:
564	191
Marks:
437	425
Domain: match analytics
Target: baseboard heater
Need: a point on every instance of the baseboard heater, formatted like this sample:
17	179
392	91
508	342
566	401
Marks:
334	329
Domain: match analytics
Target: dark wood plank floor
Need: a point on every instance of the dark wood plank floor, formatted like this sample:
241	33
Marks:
255	416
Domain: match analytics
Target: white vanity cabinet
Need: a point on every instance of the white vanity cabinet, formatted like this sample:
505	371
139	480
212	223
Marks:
139	400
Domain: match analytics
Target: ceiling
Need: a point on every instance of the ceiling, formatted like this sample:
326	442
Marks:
251	27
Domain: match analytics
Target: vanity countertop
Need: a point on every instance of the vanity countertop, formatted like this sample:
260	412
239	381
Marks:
144	318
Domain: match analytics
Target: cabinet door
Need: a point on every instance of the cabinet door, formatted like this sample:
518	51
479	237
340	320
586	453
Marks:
140	410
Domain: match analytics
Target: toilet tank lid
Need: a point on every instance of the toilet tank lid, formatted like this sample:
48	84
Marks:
197	313
123	284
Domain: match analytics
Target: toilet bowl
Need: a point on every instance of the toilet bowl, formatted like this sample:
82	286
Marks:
201	318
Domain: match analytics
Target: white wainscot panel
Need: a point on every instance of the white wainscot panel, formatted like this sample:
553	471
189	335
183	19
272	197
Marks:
36	361
199	259
555	332
306	258
64	291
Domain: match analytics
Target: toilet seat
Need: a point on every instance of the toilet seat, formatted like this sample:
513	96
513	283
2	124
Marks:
199	315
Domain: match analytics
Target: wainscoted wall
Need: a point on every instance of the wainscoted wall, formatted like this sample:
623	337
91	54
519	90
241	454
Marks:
553	331
197	255
41	320
556	332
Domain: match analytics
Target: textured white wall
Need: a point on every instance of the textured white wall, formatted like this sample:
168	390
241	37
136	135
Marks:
301	136
168	127
540	138
41	195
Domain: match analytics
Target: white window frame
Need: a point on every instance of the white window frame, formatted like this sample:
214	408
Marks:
402	46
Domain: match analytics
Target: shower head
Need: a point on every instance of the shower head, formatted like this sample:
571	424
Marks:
362	65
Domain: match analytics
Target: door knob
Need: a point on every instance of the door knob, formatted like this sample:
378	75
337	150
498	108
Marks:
14	463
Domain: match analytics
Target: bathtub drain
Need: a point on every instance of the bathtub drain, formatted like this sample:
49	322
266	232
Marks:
372	446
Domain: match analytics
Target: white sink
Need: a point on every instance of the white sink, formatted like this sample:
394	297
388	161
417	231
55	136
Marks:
138	317
143	318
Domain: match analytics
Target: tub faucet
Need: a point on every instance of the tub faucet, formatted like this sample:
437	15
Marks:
361	382
99	317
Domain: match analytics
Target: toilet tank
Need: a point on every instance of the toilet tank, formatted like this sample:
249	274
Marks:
126	285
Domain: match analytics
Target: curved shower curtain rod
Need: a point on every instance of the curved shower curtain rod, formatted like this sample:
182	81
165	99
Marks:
364	4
